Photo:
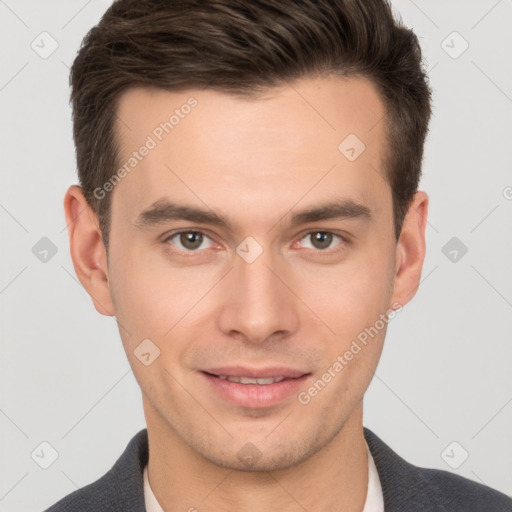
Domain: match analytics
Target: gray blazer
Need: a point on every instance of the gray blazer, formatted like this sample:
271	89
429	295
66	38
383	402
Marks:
405	487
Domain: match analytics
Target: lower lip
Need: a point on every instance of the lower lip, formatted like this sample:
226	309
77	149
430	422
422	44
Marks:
256	396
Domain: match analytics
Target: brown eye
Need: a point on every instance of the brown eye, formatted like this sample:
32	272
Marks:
321	240
189	241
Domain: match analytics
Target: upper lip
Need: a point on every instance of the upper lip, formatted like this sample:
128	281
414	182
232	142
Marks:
244	371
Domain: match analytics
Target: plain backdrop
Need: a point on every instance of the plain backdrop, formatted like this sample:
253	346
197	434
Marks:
442	394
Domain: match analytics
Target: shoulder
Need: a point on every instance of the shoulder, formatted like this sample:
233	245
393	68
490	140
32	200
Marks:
454	490
120	489
408	487
95	496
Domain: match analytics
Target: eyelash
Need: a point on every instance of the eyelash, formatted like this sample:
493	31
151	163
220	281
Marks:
190	253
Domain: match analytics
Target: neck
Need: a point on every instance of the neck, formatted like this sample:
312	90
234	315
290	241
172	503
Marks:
335	478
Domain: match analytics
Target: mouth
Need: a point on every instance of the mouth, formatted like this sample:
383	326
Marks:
261	381
254	388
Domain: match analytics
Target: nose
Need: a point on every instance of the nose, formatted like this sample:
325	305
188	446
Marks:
260	304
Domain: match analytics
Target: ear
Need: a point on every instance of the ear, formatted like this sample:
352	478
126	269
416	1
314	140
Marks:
410	250
87	249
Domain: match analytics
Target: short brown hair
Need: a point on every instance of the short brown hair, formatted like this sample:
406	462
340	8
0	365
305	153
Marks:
243	47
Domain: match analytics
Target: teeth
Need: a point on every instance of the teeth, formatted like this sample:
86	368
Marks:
251	380
246	380
270	380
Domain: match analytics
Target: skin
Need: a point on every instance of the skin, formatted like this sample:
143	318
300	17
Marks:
256	162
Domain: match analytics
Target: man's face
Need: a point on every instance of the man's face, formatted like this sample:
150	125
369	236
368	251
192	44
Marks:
269	295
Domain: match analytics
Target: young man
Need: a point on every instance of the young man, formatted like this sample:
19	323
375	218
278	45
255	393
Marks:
249	212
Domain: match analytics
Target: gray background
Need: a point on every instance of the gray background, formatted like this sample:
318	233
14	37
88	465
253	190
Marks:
445	373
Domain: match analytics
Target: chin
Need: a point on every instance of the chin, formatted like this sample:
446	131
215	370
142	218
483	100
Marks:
251	459
264	454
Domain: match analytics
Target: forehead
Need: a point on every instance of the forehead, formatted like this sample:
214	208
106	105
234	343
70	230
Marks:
307	138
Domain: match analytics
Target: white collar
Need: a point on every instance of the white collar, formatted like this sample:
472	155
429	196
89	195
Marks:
374	497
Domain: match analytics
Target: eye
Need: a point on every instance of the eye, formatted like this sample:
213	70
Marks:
321	240
190	241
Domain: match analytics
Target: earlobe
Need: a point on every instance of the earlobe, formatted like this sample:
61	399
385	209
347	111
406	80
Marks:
410	250
87	249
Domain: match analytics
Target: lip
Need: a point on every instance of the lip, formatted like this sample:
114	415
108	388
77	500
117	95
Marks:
255	396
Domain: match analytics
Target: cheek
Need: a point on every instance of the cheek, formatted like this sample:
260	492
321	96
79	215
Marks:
354	309
148	307
142	299
350	297
153	300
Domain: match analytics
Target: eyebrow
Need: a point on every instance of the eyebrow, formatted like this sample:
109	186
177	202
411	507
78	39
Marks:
164	210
